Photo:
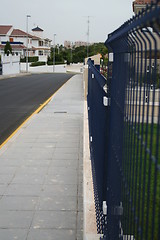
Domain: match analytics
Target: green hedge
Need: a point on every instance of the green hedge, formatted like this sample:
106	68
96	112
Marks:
51	63
35	64
30	59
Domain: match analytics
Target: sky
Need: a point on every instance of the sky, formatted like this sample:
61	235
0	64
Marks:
68	18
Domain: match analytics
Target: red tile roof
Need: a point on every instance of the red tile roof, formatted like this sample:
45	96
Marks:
42	48
19	33
4	29
35	37
14	46
18	47
142	1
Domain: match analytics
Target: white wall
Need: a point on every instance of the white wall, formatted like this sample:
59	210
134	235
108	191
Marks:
37	34
10	64
75	67
43	69
4	38
35	43
43	58
23	40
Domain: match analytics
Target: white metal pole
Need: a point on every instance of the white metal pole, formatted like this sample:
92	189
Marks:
71	51
27	45
54	46
88	36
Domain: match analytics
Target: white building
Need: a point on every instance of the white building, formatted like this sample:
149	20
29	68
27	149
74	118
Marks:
138	5
37	44
80	44
67	44
41	46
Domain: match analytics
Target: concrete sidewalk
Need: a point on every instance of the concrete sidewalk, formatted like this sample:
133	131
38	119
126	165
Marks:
41	172
2	77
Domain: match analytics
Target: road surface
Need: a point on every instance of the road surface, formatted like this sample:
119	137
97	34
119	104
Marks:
21	96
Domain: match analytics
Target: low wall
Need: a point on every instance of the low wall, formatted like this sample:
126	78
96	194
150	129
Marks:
75	67
41	69
10	64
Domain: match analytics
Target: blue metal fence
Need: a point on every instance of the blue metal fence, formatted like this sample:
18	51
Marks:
97	131
124	124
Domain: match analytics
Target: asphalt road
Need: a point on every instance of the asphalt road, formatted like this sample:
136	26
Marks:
21	96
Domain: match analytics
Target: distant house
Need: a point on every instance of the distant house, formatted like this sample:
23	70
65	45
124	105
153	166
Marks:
5	35
138	5
37	44
18	41
5	32
67	44
41	46
80	43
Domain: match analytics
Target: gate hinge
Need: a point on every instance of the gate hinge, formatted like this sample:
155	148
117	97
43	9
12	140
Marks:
106	101
104	208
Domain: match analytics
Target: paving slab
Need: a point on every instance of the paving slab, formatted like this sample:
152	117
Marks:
54	220
41	177
41	234
18	234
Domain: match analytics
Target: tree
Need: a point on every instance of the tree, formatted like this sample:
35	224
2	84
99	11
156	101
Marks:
7	48
78	54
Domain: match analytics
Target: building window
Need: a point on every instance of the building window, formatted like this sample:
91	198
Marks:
40	43
11	39
40	53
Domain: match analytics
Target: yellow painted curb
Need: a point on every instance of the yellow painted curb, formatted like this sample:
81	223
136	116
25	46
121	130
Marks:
35	112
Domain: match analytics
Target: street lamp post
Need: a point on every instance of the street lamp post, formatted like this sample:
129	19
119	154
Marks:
54	46
88	36
28	16
71	51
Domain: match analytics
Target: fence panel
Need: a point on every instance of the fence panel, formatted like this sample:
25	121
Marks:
125	136
133	152
97	112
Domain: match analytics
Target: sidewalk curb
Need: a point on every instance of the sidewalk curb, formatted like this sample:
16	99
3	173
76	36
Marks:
89	214
2	77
